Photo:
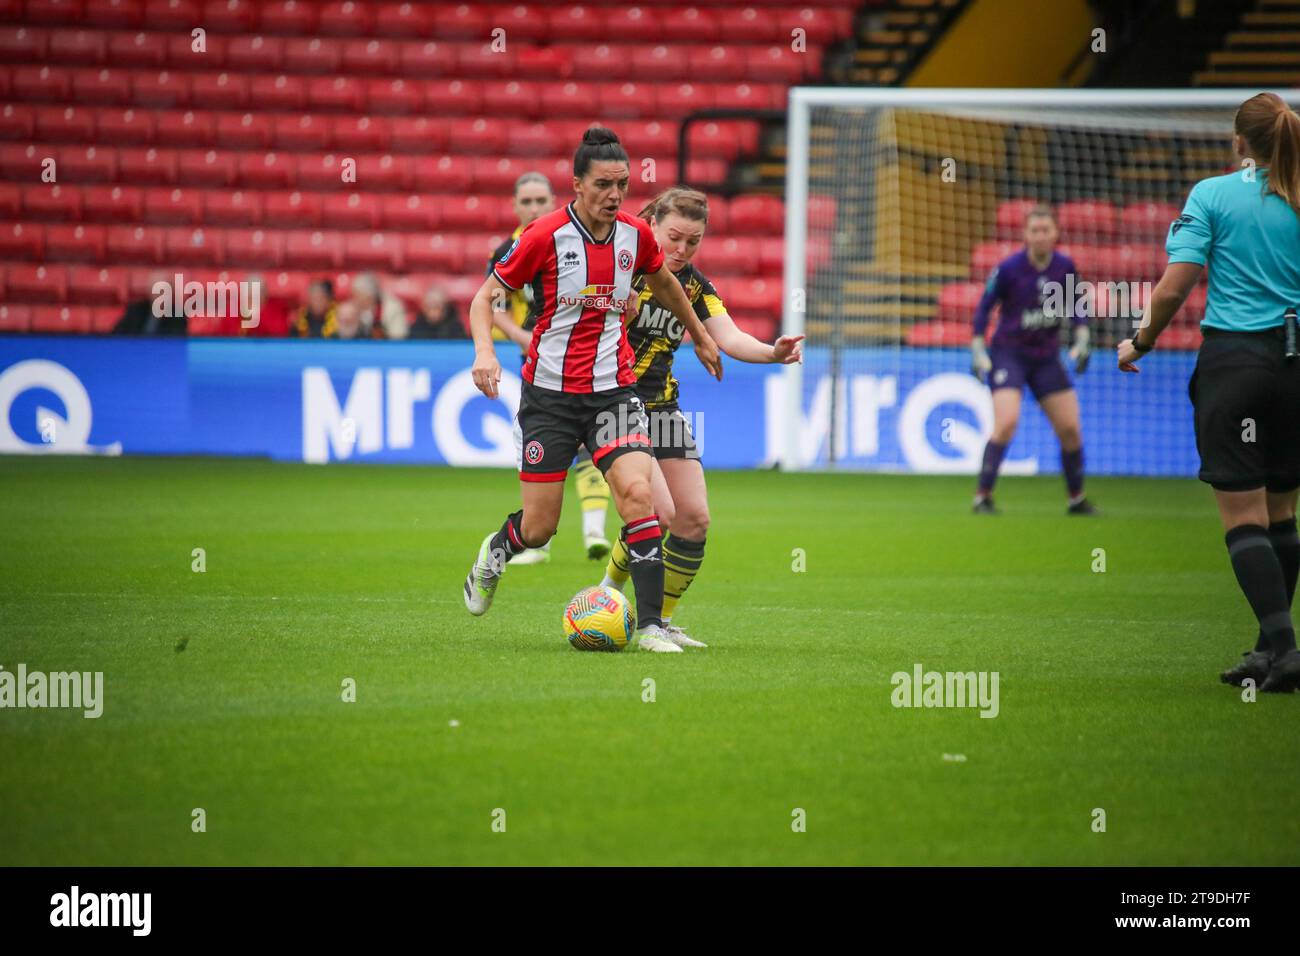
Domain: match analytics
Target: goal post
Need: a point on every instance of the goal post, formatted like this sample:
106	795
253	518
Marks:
899	204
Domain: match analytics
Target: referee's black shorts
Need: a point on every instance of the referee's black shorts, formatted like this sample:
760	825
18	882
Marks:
1246	397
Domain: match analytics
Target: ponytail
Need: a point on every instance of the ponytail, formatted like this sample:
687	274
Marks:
1272	131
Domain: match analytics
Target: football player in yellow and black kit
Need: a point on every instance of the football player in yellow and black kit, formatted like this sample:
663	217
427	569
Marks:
678	218
514	319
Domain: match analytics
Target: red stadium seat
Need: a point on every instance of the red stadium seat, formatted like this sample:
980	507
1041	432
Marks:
426	60
417	134
280	92
634	24
728	257
102	86
268	170
413	213
11	200
777	62
398	97
691	24
313	250
986	256
571	99
146	165
318	172
53	12
51	202
92	286
223	91
21	162
351	210
344	18
188	128
639	137
129	127
513	98
771	252
206	168
483	61
90	164
1011	217
165	88
335	94
112	203
1087	259
259	249
173	207
312	55
575	24
21	241
295	132
603	63
359	134
678	99
173	14
498	176
82	47
243	131
403	20
714	141
382	172
756	215
287	16
455	97
17	122
1148	220
475	214
537	139
1130	262
466	21
66	125
239	208
373	250
291	210
254	54
230	16
545	63
957	302
721	63
440	174
193	246
371	56
751	25
61	320
22	44
1087	221
14	318
134	50
134	244
662	62
744	96
24	283
436	253
119	14
526	23
629	99
41	84
482	136
939	334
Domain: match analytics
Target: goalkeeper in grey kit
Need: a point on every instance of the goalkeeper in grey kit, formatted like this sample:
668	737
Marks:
1024	351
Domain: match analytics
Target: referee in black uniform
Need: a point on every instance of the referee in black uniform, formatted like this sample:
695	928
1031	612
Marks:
1245	228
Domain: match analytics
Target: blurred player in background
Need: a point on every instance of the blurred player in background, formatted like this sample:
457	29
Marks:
1245	389
678	218
513	319
577	378
1024	352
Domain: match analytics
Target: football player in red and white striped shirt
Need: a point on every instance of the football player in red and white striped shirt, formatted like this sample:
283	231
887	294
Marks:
577	388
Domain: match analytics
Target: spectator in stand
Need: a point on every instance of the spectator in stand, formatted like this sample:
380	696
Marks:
438	317
349	321
382	316
139	317
318	319
272	313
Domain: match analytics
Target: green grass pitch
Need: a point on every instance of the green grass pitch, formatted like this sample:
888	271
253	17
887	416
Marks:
1109	692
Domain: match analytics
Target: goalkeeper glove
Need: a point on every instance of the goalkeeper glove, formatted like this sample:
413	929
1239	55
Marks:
980	363
1082	349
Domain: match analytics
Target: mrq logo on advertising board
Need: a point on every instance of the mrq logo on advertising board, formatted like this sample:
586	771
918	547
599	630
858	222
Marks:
66	433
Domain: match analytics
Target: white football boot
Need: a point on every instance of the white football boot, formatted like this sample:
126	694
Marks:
481	584
654	638
533	555
597	546
679	637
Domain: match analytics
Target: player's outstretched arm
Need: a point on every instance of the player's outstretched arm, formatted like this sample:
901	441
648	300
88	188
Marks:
1167	298
486	370
743	347
665	287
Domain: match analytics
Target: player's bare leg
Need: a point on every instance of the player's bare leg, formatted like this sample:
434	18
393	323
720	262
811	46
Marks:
684	545
630	478
531	526
1006	418
1062	410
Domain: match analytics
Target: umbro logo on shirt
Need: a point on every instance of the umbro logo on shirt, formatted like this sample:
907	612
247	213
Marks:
1183	220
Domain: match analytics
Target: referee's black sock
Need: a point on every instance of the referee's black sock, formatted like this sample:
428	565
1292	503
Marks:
1259	574
1286	545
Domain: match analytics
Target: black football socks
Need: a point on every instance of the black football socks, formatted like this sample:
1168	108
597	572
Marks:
646	562
1259	574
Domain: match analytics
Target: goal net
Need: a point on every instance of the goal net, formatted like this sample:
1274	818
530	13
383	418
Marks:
899	205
